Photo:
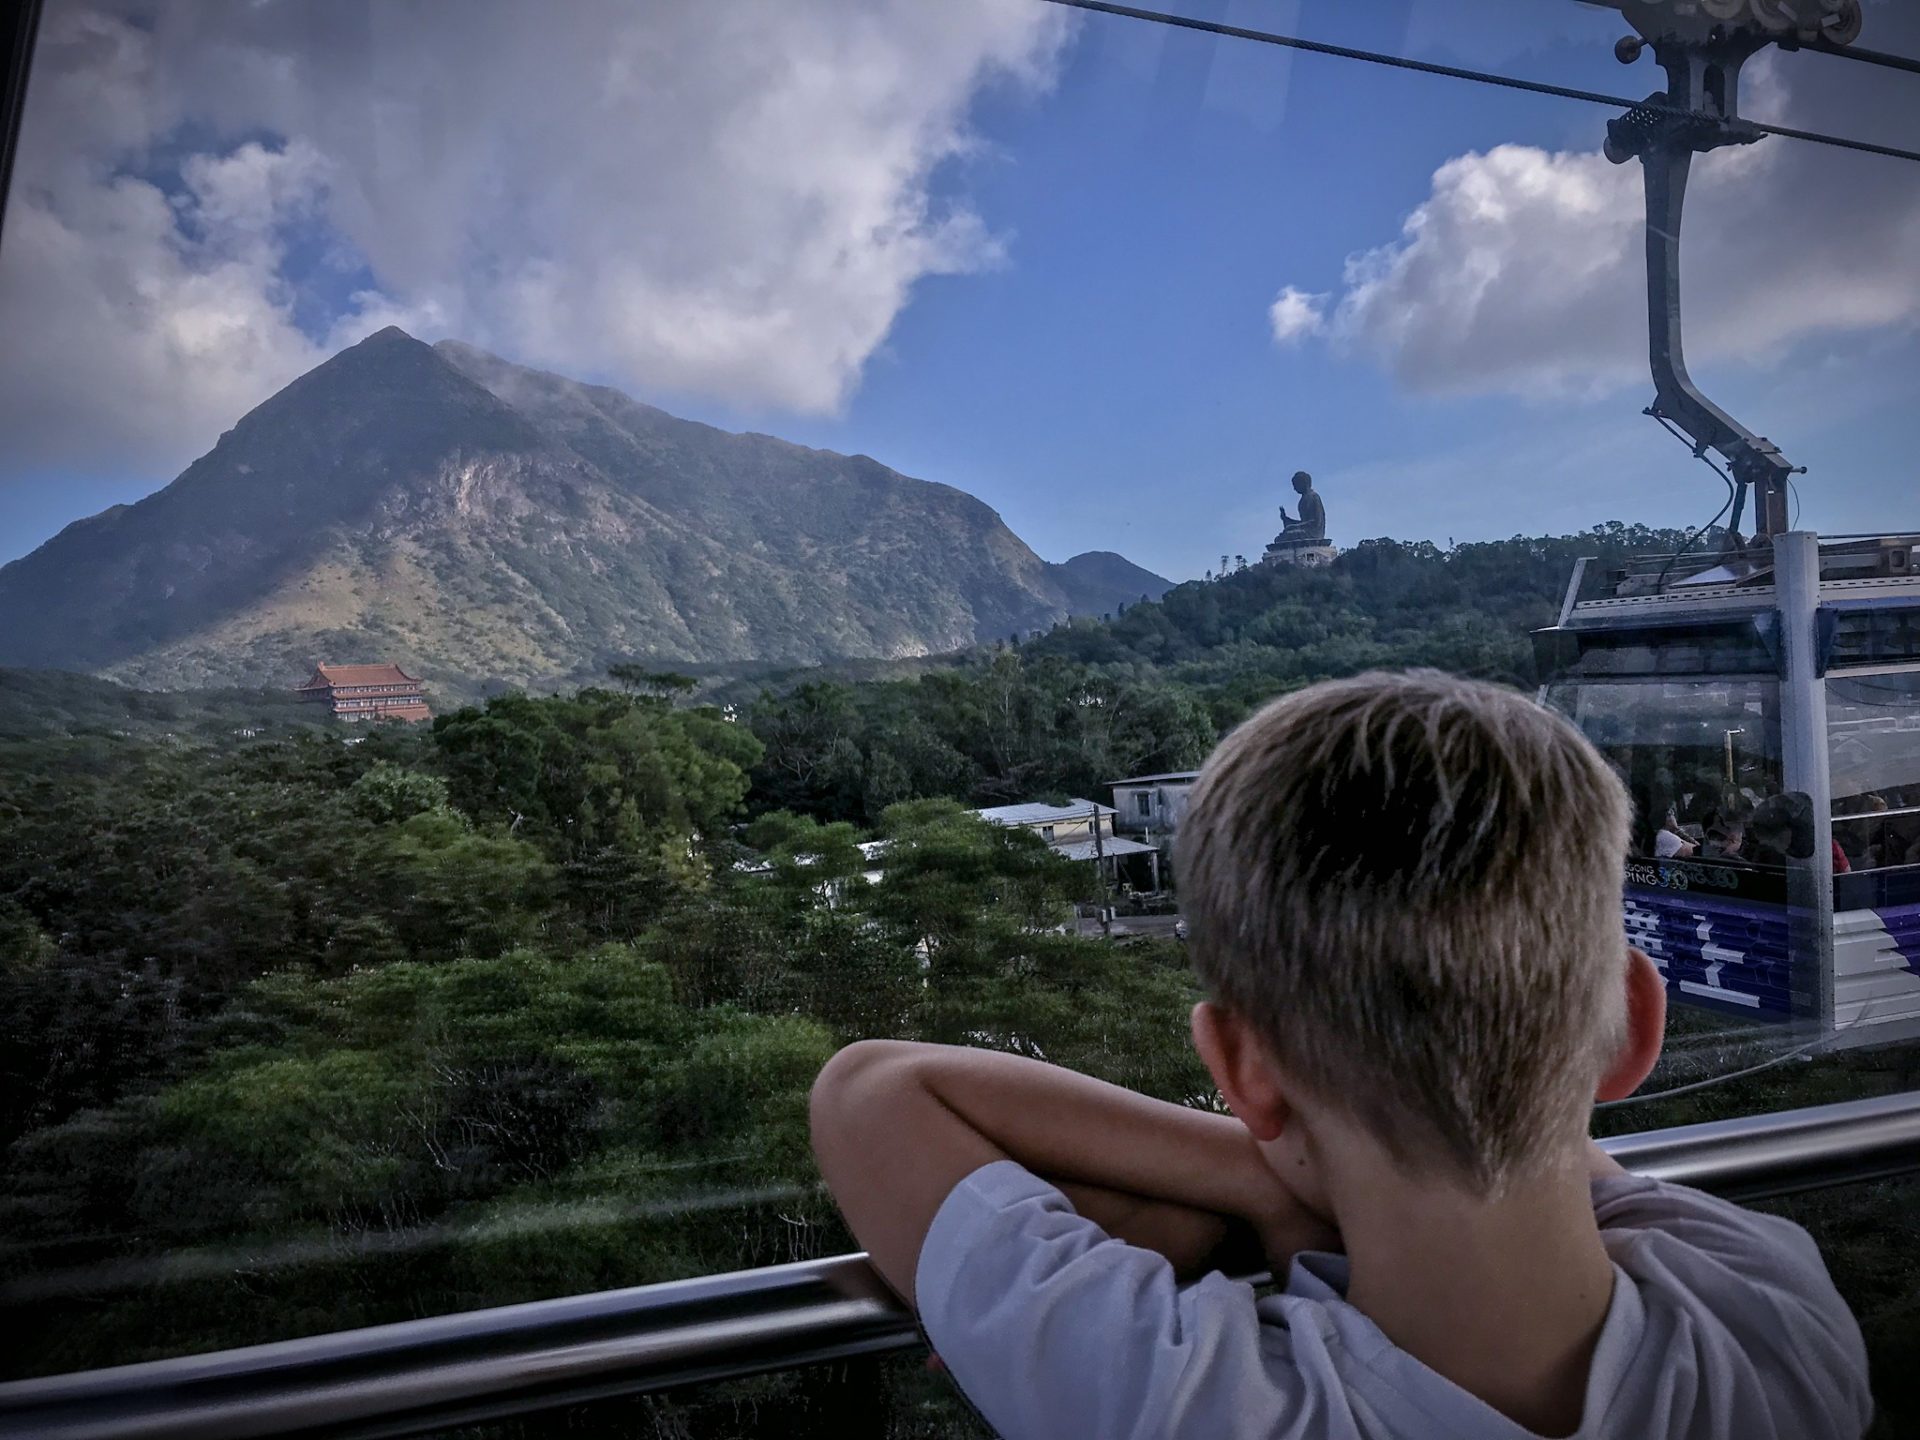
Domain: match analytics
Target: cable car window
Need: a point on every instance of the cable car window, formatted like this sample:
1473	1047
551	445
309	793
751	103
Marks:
1875	637
1698	757
1873	733
1734	649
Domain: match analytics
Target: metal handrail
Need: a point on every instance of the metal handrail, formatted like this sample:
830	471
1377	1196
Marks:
485	1364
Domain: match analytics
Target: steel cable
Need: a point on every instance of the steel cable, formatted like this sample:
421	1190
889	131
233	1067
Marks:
1479	77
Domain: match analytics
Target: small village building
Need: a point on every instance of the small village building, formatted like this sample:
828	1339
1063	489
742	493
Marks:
1152	804
871	853
367	692
1080	830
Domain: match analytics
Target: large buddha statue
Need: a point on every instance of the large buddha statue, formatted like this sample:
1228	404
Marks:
1311	526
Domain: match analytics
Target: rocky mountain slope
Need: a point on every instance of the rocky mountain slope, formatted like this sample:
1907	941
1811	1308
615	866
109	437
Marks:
477	521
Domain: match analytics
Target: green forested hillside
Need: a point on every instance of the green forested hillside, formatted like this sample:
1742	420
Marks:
1092	701
469	1012
1258	631
40	704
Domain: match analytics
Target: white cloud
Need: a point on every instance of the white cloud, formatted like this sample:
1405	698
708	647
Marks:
734	199
1523	272
155	321
1517	273
1295	315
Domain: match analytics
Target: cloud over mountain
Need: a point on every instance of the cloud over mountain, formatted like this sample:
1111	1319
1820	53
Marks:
731	199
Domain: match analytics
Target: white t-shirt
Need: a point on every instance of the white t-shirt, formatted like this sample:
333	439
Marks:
1666	844
1723	1326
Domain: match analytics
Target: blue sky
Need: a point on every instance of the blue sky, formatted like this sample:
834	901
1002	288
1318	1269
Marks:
1112	380
1117	385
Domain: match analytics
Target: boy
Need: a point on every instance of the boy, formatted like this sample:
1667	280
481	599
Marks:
1405	901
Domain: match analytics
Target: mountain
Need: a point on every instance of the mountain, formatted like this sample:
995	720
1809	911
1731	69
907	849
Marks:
1100	581
478	521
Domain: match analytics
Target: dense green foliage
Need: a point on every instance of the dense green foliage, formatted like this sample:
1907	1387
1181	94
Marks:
46	704
302	1030
473	1012
1002	728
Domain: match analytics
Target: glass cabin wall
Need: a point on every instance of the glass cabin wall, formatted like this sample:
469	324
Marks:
1690	719
1873	741
1697	756
1873	733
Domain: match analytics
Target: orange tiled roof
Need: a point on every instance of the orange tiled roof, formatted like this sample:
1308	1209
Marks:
359	675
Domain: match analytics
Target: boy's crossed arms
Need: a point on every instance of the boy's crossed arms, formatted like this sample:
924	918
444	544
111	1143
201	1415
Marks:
897	1126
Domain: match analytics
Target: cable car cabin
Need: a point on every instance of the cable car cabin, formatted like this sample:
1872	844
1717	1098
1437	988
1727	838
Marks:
1765	717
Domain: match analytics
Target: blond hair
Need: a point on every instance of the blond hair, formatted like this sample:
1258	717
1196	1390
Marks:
1410	885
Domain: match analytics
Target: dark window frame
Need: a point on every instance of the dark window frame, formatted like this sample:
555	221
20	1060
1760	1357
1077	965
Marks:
15	62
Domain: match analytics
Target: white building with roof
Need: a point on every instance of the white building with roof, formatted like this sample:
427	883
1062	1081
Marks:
1152	804
1078	830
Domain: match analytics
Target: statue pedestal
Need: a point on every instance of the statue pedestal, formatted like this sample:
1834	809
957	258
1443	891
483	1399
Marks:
1311	557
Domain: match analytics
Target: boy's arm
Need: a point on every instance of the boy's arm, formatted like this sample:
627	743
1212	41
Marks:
1193	1241
897	1125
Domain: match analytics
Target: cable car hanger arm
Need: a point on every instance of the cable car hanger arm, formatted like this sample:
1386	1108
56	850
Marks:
1702	45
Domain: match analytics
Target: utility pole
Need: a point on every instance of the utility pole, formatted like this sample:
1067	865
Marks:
1100	866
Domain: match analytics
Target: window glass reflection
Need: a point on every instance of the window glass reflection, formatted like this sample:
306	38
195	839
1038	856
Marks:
1731	649
1873	736
1876	637
1698	757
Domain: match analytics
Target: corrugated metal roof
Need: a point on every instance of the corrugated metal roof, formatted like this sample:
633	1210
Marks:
1037	814
1110	845
1155	779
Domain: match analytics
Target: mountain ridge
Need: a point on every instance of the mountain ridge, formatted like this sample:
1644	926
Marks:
443	507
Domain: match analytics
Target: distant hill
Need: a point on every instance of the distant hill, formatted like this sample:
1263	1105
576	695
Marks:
57	704
1101	581
483	523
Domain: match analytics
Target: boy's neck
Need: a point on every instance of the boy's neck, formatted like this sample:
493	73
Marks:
1505	1297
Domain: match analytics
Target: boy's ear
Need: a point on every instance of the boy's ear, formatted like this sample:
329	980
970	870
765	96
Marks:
1646	1029
1248	1081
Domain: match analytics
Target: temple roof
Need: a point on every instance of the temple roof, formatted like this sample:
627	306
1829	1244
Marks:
326	675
